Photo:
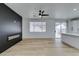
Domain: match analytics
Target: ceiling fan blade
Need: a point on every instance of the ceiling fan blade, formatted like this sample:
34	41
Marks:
39	11
45	14
39	14
42	11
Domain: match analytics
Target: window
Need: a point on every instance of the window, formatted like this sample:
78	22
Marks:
37	26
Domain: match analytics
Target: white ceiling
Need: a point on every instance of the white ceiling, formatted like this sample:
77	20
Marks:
55	10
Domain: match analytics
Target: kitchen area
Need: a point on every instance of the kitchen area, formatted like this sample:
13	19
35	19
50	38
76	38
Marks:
71	37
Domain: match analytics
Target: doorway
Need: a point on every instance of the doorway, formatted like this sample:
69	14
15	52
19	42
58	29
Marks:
59	28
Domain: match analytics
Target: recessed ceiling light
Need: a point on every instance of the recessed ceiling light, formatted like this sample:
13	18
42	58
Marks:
74	9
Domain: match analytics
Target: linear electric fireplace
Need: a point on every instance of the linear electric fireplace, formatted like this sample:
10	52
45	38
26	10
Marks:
10	27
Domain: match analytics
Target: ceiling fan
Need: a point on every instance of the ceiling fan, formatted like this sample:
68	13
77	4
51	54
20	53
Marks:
41	13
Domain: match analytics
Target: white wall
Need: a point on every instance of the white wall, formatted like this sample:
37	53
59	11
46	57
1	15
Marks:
69	26
73	26
49	31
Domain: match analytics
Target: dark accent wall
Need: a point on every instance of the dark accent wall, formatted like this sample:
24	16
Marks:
10	25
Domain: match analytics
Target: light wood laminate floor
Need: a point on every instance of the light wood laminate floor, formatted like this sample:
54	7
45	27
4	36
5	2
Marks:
40	47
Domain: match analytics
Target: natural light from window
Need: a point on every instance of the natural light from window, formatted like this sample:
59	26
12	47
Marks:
37	26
